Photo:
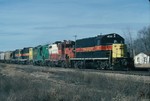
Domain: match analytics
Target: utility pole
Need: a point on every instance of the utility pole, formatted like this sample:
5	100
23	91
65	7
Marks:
75	36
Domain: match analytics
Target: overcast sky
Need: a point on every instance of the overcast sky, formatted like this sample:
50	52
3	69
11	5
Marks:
26	23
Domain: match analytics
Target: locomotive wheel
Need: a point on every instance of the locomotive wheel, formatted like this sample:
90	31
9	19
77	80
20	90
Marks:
49	64
76	65
102	66
63	65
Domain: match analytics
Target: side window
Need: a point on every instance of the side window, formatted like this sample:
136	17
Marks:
98	42
50	46
115	41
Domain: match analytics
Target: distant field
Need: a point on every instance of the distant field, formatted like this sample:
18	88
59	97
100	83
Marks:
33	83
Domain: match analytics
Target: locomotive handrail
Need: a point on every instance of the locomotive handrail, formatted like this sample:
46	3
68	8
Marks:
88	58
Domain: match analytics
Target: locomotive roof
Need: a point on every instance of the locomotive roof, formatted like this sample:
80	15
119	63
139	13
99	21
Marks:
107	39
27	47
18	49
103	36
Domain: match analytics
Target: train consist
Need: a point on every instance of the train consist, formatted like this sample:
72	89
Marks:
101	52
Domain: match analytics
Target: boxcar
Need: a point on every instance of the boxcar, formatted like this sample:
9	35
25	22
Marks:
8	56
2	55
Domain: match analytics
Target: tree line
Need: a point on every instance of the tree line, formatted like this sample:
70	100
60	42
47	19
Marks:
139	44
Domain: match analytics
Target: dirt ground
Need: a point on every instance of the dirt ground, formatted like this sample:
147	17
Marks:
60	84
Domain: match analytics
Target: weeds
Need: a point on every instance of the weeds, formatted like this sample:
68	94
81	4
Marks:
22	89
104	87
76	86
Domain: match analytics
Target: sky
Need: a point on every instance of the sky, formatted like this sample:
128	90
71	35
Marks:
28	23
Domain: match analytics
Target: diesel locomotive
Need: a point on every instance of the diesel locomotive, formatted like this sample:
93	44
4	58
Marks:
101	52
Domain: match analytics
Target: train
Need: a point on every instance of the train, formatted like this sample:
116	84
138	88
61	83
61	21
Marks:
107	51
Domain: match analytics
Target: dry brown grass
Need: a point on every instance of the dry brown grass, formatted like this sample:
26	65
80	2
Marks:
69	86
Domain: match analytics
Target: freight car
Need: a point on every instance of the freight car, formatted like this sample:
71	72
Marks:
2	55
7	56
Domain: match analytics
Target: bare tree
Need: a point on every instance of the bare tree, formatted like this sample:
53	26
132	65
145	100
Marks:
129	40
144	38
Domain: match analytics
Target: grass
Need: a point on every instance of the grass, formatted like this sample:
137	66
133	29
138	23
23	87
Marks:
71	86
22	89
103	86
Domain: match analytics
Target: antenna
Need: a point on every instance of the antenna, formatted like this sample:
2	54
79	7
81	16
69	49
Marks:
75	36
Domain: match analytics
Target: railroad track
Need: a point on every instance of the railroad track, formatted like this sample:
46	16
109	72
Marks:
133	72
